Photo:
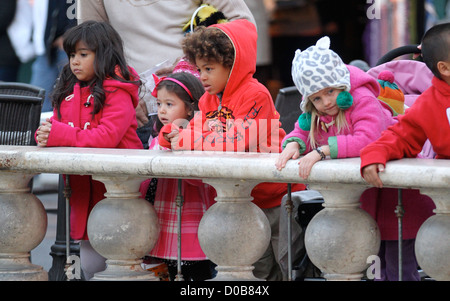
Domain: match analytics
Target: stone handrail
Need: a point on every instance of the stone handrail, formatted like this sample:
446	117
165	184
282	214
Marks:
234	232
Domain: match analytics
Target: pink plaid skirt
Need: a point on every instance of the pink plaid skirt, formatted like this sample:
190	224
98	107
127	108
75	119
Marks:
198	197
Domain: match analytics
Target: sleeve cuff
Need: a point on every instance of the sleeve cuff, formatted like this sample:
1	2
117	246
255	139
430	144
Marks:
332	143
161	139
62	134
300	142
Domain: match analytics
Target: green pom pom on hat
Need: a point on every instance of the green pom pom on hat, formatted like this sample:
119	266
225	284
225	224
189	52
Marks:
344	100
304	121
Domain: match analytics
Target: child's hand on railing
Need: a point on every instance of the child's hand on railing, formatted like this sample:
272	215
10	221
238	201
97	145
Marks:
370	174
43	133
291	151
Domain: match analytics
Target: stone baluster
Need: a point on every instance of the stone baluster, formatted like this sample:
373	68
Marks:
234	232
340	238
123	228
23	224
433	239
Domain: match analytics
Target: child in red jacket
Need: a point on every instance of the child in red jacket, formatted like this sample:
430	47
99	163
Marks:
236	114
94	105
427	118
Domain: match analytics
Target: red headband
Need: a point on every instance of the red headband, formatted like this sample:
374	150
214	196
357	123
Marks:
159	80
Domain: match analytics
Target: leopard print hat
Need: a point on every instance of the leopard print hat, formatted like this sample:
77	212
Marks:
316	68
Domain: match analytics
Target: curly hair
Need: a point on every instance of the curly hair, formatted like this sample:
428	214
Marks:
209	43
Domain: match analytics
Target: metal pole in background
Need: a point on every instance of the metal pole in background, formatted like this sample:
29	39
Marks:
58	251
399	212
289	207
67	194
179	203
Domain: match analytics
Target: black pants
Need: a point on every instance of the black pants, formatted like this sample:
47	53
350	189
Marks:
193	271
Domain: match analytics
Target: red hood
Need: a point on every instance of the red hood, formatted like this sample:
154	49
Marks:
131	88
243	35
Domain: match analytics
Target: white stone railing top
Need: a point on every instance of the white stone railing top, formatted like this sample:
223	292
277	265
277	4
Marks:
406	173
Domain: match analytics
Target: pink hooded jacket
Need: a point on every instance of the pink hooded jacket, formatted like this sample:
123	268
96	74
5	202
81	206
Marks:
366	119
113	127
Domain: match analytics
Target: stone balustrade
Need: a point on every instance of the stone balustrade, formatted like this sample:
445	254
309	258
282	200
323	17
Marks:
234	232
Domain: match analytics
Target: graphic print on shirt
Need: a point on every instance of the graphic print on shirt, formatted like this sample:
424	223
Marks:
217	120
222	121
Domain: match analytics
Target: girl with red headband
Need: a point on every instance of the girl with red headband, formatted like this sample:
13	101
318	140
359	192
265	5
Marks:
177	99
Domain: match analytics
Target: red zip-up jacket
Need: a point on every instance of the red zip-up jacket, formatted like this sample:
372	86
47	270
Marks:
243	119
427	118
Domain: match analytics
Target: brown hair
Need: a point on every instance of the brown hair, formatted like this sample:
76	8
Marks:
209	43
194	86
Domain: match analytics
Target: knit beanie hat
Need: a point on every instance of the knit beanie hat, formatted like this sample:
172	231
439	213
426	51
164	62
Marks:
317	68
390	93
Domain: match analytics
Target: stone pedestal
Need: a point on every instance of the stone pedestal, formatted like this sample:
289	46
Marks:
23	224
123	228
341	237
433	239
234	233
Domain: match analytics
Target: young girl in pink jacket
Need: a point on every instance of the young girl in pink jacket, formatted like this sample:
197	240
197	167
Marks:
94	105
342	115
341	112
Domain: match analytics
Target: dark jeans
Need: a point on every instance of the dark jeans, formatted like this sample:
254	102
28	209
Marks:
389	261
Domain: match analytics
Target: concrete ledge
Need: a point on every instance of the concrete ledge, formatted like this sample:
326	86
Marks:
405	173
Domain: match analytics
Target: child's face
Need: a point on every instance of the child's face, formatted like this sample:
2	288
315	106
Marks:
325	101
170	107
82	62
213	75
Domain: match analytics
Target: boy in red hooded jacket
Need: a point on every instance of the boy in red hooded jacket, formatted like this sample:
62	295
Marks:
236	114
428	118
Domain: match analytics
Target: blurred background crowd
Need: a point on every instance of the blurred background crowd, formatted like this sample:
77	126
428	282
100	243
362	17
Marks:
359	30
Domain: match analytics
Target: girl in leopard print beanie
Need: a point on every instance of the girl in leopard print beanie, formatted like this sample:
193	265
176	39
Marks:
340	110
